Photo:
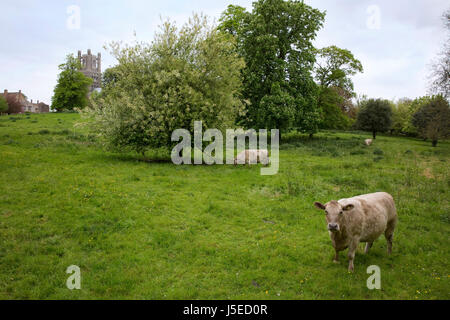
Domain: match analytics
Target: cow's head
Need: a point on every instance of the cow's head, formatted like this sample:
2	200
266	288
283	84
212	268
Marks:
334	212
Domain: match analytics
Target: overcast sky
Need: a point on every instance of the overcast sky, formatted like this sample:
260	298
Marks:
394	40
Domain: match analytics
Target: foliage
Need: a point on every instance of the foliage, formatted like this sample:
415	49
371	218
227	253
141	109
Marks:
400	115
275	40
277	110
335	66
333	70
186	75
375	116
3	104
109	78
433	119
72	90
332	115
14	104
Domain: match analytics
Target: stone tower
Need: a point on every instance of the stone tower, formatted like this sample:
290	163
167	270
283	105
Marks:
91	66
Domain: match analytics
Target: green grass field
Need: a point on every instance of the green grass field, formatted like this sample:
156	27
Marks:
142	230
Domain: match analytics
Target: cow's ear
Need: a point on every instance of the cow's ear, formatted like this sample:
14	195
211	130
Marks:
318	205
348	207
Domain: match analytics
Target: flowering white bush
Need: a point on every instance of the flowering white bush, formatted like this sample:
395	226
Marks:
186	75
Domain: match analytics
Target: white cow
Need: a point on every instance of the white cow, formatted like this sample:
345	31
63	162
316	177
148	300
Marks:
252	156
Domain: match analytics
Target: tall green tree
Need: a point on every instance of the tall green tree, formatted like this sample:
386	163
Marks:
333	71
72	89
433	119
275	40
375	116
3	105
333	117
400	115
335	66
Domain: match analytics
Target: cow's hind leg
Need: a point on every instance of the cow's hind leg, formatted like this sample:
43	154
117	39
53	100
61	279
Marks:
389	234
368	246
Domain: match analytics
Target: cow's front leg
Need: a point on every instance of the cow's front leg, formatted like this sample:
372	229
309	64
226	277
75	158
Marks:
336	256
351	253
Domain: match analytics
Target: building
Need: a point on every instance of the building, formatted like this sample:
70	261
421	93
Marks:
18	103
91	66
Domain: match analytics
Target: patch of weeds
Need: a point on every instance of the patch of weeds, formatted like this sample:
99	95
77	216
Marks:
378	152
357	152
44	131
10	141
64	132
34	121
378	158
30	133
286	146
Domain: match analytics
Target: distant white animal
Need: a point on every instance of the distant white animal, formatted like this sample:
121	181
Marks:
368	142
252	156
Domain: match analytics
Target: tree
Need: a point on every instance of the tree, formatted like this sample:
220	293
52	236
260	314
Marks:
277	110
72	90
433	119
275	39
109	78
440	69
333	116
400	114
335	66
408	128
3	105
184	75
375	116
333	70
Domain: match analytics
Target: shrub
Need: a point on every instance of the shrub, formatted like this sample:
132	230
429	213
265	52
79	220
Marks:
186	75
375	116
433	120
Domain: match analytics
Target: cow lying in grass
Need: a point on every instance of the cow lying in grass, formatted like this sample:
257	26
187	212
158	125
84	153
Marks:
360	219
252	156
368	142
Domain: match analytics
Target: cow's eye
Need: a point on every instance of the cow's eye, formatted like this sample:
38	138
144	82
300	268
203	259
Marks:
326	212
341	212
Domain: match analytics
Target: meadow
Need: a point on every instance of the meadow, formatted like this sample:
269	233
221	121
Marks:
153	230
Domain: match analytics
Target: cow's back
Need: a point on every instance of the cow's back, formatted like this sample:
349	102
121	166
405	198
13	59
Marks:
377	210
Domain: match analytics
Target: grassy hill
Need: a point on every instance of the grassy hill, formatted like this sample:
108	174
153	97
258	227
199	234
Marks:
143	230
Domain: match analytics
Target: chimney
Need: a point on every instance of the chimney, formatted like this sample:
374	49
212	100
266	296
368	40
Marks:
31	101
5	93
89	52
20	91
38	102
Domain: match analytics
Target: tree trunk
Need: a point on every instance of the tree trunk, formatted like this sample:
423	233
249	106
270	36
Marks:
434	142
311	135
374	135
